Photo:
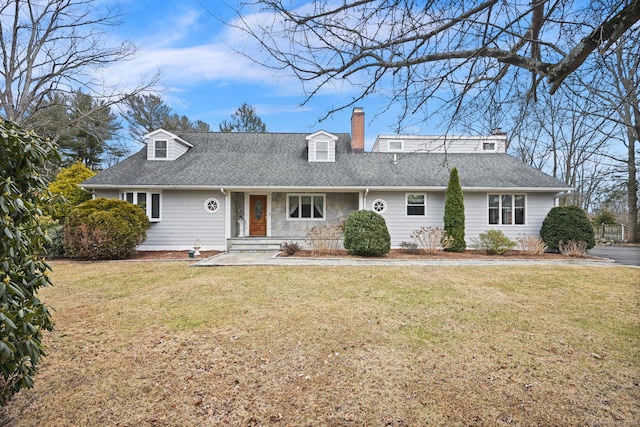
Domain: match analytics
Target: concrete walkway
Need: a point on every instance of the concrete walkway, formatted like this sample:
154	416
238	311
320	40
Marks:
270	258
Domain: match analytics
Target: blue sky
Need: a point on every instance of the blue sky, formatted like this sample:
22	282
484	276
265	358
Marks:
203	78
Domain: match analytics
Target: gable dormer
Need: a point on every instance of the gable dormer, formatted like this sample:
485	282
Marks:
321	147
164	145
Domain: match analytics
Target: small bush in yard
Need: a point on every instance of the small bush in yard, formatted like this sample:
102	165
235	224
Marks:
410	247
291	248
573	248
325	239
565	223
366	234
531	245
495	242
432	239
104	229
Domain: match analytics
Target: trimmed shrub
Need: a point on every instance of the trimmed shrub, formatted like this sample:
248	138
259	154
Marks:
494	242
454	213
104	229
366	234
565	223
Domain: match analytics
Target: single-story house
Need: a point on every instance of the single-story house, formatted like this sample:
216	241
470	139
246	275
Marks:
227	191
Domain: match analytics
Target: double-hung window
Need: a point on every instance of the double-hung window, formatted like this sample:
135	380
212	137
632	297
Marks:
416	204
306	206
322	151
149	202
507	209
160	149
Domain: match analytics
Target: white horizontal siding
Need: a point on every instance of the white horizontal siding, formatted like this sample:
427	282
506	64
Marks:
175	149
476	215
107	194
438	144
184	220
399	224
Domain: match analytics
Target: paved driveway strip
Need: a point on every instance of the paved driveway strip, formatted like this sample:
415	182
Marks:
623	254
269	258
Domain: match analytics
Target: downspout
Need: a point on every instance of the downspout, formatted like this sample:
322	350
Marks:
364	198
227	216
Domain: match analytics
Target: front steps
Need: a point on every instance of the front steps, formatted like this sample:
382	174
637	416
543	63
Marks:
254	244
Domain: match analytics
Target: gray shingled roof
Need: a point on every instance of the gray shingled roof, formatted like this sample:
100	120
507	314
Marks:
263	160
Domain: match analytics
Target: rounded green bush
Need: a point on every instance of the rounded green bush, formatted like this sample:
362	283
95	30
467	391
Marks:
495	242
366	234
565	223
104	229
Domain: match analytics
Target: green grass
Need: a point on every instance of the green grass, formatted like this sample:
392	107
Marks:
152	343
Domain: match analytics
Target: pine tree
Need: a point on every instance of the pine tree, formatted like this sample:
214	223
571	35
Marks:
454	213
245	119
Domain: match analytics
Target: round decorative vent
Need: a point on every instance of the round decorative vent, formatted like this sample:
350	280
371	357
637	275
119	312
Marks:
379	205
211	205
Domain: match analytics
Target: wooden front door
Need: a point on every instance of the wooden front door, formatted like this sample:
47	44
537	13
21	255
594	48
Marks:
258	215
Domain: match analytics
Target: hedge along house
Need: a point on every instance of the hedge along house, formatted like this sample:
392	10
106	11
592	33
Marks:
233	191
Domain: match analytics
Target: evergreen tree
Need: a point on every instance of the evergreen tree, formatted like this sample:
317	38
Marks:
67	186
81	125
454	213
245	119
146	113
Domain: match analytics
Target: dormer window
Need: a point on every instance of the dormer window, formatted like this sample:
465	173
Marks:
322	147
322	151
165	146
160	149
488	146
395	145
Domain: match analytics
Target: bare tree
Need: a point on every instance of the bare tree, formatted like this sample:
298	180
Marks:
561	136
617	90
415	50
56	46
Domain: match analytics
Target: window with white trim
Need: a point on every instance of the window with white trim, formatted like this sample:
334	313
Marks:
416	204
160	148
395	145
488	146
306	206
149	202
322	151
507	209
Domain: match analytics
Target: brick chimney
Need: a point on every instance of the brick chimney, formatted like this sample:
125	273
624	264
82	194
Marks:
357	130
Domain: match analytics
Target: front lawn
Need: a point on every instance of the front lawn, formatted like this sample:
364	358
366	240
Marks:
165	344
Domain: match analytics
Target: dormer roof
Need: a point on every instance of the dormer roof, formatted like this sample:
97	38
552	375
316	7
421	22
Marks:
163	145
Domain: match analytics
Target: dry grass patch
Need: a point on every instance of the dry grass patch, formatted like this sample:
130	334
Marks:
164	344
